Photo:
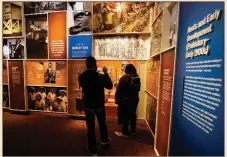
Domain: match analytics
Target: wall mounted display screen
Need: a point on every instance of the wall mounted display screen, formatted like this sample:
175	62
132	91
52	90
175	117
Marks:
153	69
13	48
79	18
121	17
80	47
198	106
37	36
57	35
122	47
52	99
48	73
12	19
43	7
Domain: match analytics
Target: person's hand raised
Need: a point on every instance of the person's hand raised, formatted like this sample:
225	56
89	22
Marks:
105	70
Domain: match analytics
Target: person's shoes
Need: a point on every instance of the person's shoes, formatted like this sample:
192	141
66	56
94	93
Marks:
106	143
92	153
120	134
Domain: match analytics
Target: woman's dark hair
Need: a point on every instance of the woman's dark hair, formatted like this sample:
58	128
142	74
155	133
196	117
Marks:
91	62
130	69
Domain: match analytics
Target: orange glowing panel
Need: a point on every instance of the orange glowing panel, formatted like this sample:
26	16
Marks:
57	35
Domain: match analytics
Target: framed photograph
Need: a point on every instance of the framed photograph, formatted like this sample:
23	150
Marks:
121	17
12	19
52	99
43	7
79	18
13	48
36	37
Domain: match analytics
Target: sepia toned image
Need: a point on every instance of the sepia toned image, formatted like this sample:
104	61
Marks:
13	48
153	69
79	18
37	37
117	17
12	19
50	99
43	7
158	6
46	73
122	47
156	36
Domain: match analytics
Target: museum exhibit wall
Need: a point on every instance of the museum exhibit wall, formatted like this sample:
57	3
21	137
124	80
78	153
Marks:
160	73
198	104
46	43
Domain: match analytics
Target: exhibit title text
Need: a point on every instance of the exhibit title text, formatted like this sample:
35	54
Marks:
196	46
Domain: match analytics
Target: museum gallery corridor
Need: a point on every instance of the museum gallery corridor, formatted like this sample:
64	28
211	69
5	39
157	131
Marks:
40	134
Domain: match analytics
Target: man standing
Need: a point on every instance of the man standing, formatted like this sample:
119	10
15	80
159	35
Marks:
18	50
93	84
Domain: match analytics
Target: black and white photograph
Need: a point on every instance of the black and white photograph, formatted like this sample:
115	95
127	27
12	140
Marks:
52	99
12	19
50	73
79	17
173	25
13	48
5	96
44	7
36	37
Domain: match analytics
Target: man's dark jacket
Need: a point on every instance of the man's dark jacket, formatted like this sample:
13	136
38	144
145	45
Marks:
93	84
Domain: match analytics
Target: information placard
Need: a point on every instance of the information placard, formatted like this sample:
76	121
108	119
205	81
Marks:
57	35
164	103
198	107
16	85
80	47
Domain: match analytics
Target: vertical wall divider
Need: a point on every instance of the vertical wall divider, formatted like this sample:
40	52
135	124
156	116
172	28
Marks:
174	70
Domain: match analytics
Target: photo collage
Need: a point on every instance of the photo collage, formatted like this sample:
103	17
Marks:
115	33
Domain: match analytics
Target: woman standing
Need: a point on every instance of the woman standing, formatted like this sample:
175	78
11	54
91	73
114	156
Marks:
127	98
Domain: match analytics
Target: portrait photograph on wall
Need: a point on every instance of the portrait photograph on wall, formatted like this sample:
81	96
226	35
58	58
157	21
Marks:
46	73
52	99
79	17
37	37
13	48
122	47
117	17
43	7
5	98
12	19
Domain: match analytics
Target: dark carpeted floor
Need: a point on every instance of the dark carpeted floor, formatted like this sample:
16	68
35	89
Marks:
49	135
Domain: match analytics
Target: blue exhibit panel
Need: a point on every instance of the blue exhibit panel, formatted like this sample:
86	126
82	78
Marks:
198	104
80	47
